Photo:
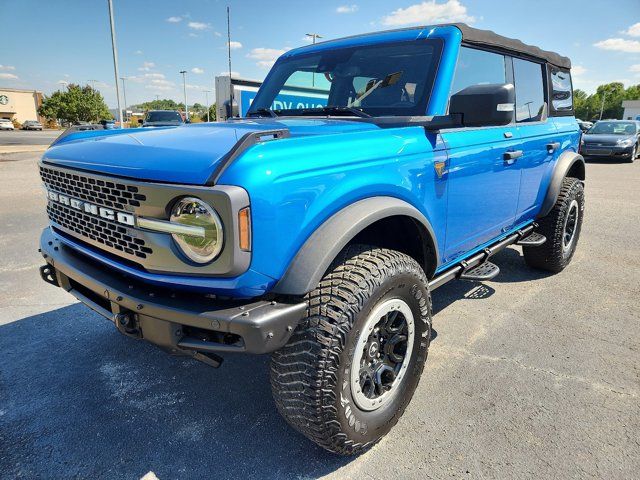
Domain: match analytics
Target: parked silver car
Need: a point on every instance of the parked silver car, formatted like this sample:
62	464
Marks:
6	124
31	125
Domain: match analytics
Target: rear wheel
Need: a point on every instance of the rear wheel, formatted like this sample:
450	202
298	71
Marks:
351	367
562	228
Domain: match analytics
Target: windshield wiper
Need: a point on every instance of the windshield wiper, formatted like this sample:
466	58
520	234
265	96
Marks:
259	112
352	110
342	111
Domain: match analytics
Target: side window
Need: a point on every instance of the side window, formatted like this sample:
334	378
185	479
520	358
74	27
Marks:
562	97
530	104
477	67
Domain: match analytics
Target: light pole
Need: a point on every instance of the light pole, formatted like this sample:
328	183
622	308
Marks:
313	37
528	104
114	49
184	88
604	95
206	96
124	94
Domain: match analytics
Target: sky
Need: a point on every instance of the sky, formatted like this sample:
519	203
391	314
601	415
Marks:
48	43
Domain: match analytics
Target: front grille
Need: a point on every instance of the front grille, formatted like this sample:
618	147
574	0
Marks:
97	229
102	192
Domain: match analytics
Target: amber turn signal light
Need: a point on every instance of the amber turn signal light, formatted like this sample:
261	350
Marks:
244	229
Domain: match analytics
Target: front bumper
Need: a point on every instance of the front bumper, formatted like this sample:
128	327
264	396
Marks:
183	323
606	152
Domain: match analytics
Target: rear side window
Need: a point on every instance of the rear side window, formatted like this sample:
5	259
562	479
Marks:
530	104
477	67
561	91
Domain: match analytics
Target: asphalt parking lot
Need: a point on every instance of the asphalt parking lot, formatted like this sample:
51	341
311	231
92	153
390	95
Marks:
28	137
529	376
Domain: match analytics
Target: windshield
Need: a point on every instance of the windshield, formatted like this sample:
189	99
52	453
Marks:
370	80
173	117
613	128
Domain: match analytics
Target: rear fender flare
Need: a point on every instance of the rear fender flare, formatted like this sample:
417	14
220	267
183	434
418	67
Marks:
568	161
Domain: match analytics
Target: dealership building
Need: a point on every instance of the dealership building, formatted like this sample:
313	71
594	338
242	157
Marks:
631	109
20	105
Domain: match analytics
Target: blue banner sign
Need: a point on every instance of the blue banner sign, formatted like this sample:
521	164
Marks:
283	101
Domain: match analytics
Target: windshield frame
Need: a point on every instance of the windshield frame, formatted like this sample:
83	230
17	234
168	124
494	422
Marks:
432	73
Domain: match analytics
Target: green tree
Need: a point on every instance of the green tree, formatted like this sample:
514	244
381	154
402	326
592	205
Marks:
75	104
164	104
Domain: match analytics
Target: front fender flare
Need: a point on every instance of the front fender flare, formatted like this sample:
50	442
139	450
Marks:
315	256
567	162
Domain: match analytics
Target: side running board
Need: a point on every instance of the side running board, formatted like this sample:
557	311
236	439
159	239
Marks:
535	239
484	271
477	267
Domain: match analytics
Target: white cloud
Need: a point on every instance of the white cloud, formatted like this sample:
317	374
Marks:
193	35
633	30
429	12
8	76
7	67
146	66
199	25
62	82
174	19
194	87
619	45
234	45
197	70
217	34
635	69
138	52
577	70
265	56
347	9
233	73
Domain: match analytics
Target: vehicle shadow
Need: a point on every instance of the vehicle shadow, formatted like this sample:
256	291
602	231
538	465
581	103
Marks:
611	160
513	269
78	399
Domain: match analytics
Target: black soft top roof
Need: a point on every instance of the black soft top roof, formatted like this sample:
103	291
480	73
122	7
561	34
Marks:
489	38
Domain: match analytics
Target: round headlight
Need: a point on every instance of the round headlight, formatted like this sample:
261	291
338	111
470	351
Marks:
202	239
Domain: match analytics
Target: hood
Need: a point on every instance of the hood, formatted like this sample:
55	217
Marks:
605	139
187	154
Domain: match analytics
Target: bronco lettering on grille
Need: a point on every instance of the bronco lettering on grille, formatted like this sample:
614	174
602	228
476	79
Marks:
91	209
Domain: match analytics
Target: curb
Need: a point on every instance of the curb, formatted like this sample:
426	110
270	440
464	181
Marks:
22	148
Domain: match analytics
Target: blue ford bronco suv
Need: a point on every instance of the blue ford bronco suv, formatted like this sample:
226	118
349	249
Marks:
318	234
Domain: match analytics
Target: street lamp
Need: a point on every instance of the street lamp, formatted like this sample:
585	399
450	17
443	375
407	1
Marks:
313	37
124	94
184	88
528	104
206	96
604	95
114	49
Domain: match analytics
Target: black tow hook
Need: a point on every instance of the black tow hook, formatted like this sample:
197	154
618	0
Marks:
48	274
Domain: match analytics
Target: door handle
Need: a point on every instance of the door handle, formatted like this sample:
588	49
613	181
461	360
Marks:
511	157
553	146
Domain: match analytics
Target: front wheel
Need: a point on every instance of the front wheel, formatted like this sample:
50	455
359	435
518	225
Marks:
562	227
351	367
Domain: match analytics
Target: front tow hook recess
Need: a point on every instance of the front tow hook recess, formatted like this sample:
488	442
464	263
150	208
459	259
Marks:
126	323
48	274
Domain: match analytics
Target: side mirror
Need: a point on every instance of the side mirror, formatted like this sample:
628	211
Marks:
140	121
484	105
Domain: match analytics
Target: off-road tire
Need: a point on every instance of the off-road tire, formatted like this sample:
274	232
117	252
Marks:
551	255
310	375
